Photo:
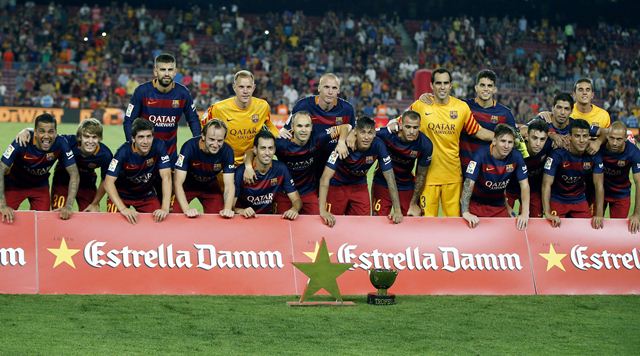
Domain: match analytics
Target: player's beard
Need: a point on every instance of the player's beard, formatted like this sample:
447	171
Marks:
165	82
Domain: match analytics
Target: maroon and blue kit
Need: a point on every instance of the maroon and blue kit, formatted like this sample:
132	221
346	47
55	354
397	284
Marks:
617	186
403	158
535	167
28	176
302	164
202	174
491	177
165	111
136	174
348	191
568	191
87	166
261	194
487	118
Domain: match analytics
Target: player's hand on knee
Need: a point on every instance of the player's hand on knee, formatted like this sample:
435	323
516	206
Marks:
192	213
290	214
284	133
7	214
396	217
249	213
159	215
471	219
328	218
130	214
597	222
227	213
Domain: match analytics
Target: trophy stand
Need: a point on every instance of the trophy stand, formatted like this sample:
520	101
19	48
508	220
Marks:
382	279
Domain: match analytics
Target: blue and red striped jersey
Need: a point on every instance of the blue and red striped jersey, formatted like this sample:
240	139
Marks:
492	175
403	158
29	166
535	165
261	193
87	165
616	170
487	118
341	113
136	173
570	172
202	168
301	160
165	111
353	169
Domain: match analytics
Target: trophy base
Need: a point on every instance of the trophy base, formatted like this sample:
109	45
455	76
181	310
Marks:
375	299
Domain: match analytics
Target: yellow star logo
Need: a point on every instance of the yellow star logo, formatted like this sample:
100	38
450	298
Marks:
312	255
63	254
553	258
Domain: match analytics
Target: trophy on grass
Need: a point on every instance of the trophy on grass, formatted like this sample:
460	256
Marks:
382	279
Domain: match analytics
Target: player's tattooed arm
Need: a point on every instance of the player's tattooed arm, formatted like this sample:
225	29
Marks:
74	181
465	198
396	215
421	177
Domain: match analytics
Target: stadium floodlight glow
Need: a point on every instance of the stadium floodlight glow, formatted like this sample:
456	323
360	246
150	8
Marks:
104	34
266	32
86	39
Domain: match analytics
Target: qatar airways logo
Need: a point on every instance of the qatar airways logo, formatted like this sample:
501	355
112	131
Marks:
570	179
448	259
202	256
583	260
260	199
497	185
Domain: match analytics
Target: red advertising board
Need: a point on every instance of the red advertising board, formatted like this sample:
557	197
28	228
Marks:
103	253
432	255
18	267
576	259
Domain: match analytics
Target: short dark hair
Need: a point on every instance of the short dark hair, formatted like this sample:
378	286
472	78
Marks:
487	73
579	124
140	124
538	125
582	80
46	118
504	129
263	134
365	122
218	124
164	58
563	97
440	71
410	114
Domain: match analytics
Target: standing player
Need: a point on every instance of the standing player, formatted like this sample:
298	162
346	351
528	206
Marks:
405	147
563	183
163	101
618	157
343	186
90	153
539	148
442	122
243	114
132	172
200	161
493	167
299	154
272	177
584	109
24	171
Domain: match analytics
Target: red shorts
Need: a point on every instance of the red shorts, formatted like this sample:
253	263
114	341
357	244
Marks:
212	203
381	200
618	208
309	203
146	205
38	197
83	198
579	210
349	200
535	203
488	211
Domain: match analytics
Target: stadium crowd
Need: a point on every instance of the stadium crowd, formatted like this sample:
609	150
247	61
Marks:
57	56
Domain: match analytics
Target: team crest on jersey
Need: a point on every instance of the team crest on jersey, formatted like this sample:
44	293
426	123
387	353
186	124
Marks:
274	182
150	162
548	163
413	154
51	156
180	161
509	167
369	159
622	163
255	118
494	119
339	120
453	114
471	167
7	153
175	104
217	166
586	165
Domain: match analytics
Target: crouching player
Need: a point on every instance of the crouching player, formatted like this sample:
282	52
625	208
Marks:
131	174
492	168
